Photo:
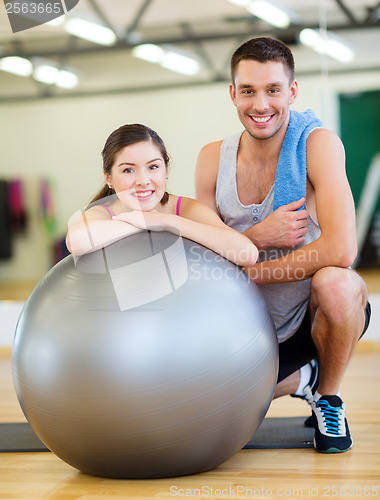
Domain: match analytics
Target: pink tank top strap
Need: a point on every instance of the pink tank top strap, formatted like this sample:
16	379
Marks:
108	210
178	204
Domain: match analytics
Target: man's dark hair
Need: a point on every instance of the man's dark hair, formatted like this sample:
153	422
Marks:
263	49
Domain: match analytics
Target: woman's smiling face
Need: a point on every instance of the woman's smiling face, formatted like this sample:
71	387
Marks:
138	176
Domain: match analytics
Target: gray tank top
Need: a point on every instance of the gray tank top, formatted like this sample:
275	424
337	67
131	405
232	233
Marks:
287	302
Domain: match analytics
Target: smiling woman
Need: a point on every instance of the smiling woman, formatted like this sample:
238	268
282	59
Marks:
134	198
139	177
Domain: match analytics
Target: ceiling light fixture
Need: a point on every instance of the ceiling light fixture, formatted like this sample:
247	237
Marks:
180	63
58	21
50	73
43	71
16	65
242	3
90	31
327	43
168	57
148	52
45	74
66	79
267	11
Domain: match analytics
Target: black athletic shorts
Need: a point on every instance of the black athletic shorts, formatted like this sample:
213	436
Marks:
299	349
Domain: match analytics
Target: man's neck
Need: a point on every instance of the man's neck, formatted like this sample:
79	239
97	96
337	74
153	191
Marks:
263	149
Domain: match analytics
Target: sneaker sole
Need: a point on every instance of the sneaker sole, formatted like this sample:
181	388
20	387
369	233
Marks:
332	450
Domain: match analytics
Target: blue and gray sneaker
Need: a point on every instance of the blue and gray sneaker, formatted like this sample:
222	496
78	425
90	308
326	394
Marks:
331	429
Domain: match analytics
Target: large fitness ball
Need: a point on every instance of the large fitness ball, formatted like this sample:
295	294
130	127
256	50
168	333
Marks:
153	357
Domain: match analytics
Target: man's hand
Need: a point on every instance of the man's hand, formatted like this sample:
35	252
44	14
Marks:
285	227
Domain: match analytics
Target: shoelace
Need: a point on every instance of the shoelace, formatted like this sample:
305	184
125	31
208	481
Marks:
333	417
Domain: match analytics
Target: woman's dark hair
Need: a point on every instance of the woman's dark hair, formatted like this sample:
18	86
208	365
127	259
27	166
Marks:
126	136
263	49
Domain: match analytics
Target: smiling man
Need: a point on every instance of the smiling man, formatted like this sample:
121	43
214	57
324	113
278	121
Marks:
282	182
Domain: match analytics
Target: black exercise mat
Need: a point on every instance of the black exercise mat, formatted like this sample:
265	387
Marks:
287	432
19	437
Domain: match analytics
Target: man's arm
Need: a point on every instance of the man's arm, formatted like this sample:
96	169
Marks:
286	227
206	174
335	212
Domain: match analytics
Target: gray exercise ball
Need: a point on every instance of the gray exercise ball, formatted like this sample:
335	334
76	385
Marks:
153	357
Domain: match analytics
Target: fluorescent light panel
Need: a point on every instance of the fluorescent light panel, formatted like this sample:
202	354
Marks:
51	75
66	79
45	74
16	65
58	21
265	10
169	58
269	13
90	31
327	44
148	52
242	3
180	63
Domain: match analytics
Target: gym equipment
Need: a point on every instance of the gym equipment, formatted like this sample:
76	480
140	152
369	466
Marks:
153	357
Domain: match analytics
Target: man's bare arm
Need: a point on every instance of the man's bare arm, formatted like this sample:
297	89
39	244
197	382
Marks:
286	227
206	174
336	217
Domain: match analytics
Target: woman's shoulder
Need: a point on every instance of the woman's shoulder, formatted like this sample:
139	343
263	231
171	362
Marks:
177	204
103	210
188	207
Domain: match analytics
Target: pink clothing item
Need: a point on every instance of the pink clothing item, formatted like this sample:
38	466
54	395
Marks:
178	204
108	210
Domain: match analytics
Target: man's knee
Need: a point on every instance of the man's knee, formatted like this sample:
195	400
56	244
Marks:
337	289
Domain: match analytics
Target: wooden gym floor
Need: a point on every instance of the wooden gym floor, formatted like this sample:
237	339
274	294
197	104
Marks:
258	474
301	473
